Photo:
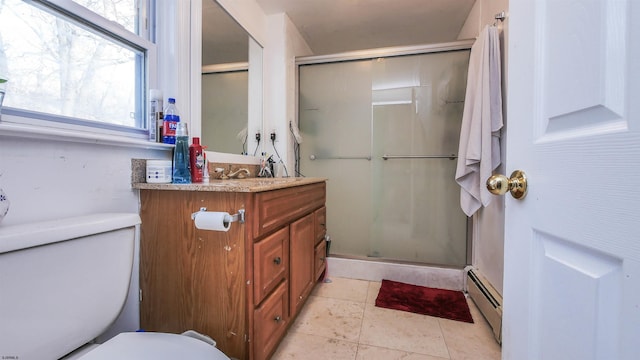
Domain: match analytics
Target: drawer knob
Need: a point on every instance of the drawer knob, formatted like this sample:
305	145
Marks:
277	260
277	319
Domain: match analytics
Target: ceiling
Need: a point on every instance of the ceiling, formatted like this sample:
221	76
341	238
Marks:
335	26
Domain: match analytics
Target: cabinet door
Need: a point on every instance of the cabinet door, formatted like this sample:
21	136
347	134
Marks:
270	262
302	242
192	278
320	259
320	223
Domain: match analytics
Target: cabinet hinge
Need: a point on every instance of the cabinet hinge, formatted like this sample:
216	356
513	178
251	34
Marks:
140	295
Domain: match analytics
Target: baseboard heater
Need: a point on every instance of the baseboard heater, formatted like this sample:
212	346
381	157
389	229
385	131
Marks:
488	300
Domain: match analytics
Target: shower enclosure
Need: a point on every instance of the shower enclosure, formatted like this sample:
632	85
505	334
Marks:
385	133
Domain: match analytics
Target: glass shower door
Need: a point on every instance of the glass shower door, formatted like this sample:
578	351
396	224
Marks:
335	124
385	133
416	213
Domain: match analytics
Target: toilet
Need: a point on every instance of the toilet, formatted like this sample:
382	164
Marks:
64	282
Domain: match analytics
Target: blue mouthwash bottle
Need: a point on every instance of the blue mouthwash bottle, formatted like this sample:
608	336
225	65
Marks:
181	172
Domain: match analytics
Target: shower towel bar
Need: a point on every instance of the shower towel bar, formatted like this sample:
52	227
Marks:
313	157
450	157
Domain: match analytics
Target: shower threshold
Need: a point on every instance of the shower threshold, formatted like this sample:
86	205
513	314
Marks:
376	269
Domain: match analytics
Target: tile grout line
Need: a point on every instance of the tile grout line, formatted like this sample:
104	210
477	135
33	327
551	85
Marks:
444	338
364	309
363	302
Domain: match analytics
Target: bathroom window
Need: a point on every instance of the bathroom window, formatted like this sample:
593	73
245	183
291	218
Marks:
81	63
123	12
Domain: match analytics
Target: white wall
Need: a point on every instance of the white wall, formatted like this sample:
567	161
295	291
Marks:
488	223
51	179
471	27
174	58
249	15
285	43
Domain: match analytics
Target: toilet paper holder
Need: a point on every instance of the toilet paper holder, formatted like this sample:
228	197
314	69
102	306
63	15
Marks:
235	217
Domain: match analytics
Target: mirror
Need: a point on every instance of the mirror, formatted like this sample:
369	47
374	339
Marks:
231	75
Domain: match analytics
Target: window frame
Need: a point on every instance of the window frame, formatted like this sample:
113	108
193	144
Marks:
26	123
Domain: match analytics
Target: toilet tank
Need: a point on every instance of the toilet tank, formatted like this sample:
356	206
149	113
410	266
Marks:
62	282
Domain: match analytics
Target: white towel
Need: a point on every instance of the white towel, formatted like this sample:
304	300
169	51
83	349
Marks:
479	150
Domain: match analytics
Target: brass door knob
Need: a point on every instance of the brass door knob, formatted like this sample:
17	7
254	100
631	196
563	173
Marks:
517	184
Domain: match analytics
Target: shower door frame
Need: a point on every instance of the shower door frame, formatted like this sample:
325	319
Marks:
371	54
383	52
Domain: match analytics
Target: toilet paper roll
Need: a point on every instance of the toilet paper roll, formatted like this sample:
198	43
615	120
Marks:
213	220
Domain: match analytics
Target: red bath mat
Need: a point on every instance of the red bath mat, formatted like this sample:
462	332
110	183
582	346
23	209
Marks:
442	303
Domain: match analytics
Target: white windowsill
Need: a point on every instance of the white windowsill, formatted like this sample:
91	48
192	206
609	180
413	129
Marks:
69	135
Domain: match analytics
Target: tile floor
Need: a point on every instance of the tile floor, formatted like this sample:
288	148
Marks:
340	321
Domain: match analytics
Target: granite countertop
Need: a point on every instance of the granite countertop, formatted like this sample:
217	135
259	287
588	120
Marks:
234	185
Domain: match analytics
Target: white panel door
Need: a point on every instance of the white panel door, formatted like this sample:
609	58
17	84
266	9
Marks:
572	246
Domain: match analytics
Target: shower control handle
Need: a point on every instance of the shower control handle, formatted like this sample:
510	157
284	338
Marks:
517	184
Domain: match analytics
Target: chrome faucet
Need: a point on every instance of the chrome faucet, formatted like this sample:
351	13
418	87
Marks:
239	174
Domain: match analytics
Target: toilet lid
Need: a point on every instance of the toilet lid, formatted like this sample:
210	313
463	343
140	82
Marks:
157	346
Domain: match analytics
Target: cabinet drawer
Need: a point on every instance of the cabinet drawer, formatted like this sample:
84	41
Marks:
271	320
278	207
321	223
320	259
270	263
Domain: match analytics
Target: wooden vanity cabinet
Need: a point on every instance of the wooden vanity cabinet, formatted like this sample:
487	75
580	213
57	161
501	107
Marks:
243	287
